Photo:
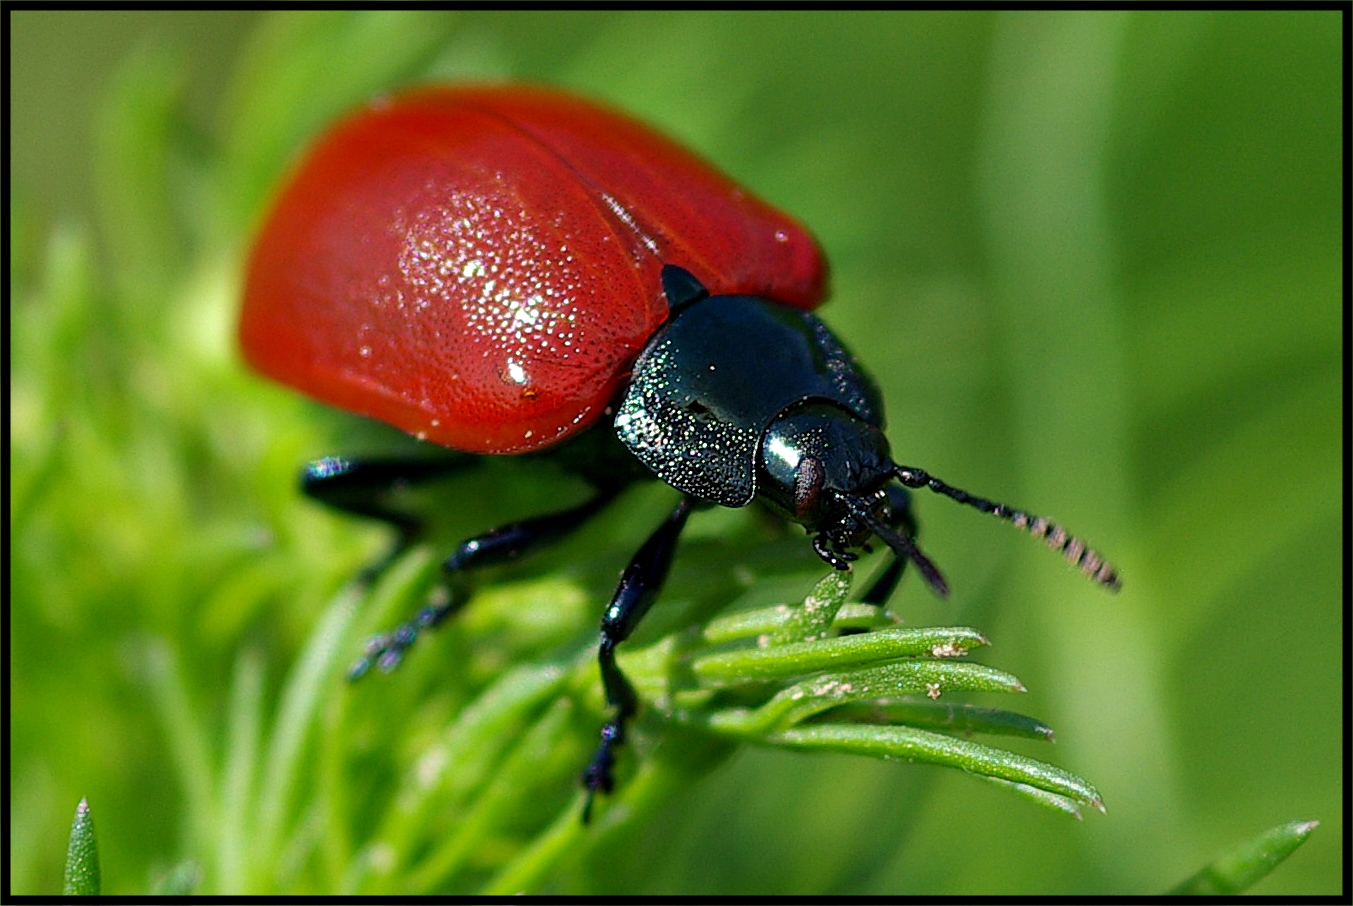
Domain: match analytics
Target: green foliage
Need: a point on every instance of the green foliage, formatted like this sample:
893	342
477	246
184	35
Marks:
1239	869
1094	262
82	856
489	802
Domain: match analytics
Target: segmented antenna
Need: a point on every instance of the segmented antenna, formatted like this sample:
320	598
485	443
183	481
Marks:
1077	553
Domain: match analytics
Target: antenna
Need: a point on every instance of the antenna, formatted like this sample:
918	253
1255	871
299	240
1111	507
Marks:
1077	552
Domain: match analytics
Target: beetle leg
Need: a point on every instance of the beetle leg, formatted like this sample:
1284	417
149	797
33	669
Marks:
902	519
360	487
885	583
508	542
635	594
494	547
831	550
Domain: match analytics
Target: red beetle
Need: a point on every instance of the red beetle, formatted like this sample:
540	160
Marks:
495	270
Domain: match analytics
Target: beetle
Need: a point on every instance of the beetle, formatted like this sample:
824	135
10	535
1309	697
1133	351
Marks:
508	269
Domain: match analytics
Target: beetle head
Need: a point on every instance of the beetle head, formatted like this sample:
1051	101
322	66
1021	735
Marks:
828	470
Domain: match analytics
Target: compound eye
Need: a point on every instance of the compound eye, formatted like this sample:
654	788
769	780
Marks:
809	478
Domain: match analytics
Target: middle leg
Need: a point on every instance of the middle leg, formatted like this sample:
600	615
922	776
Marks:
638	589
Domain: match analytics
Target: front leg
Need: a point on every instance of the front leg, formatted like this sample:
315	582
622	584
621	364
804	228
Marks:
638	589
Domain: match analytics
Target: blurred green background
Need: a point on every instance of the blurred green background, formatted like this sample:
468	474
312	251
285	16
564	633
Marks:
1093	260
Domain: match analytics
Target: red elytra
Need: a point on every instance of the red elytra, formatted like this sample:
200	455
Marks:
479	266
